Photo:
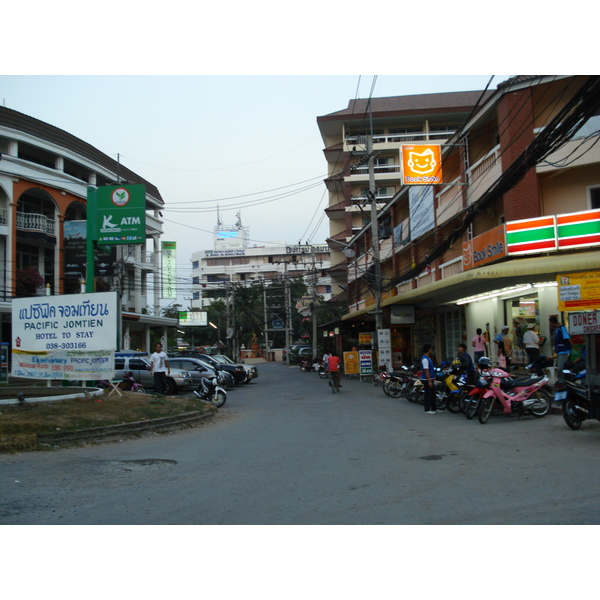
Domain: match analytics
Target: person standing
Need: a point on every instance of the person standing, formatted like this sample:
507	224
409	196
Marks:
507	344
532	343
466	362
159	367
428	379
479	345
326	360
562	343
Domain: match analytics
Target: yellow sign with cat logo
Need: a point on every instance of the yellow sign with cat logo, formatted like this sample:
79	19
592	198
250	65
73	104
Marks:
421	165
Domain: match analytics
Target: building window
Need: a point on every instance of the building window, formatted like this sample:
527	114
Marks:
195	264
594	198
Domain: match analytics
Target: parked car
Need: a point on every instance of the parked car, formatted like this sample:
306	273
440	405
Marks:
139	365
199	369
293	349
238	371
251	370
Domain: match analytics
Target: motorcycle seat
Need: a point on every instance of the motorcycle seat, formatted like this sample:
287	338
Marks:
509	384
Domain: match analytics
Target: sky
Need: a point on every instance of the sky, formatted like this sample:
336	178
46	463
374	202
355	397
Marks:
236	144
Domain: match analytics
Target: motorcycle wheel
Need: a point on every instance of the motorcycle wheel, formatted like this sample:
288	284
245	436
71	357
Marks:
323	374
441	398
572	419
394	389
463	402
417	395
487	404
541	406
472	406
218	399
139	390
375	380
453	403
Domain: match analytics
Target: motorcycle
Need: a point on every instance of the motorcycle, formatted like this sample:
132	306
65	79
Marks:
380	377
209	390
397	383
520	396
574	397
455	382
470	402
306	365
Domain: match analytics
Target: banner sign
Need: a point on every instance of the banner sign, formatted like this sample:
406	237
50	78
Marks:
579	291
484	249
366	362
75	253
198	318
584	323
351	363
169	270
422	164
121	215
68	337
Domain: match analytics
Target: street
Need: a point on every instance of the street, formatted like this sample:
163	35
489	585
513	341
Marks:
284	450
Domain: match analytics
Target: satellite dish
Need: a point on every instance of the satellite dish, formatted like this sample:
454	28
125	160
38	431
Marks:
348	252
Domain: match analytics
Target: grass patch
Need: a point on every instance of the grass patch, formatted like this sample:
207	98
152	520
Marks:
20	425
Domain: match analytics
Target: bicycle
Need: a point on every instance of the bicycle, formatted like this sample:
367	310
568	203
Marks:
334	381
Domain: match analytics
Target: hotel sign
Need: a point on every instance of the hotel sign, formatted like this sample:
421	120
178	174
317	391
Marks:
484	249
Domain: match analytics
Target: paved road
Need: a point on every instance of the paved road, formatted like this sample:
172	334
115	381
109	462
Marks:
284	450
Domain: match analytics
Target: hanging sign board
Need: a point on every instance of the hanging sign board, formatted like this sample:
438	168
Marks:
422	164
121	215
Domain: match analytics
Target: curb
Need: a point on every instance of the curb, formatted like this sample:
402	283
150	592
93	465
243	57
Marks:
94	433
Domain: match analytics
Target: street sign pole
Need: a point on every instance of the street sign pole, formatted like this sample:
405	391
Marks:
90	243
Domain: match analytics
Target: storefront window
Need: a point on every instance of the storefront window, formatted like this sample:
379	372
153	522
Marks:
524	311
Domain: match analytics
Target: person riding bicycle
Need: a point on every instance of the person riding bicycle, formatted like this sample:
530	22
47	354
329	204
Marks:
334	368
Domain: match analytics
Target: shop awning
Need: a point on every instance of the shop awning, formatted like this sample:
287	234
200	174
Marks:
479	281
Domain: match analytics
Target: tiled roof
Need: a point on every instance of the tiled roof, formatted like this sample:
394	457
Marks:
20	122
407	104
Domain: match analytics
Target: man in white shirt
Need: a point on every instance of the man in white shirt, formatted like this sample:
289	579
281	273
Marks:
532	343
159	367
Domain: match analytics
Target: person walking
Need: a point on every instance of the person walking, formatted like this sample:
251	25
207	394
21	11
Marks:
562	343
479	345
159	367
428	379
532	343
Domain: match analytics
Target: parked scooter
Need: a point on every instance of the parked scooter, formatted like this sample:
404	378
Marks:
306	365
398	382
381	376
520	396
455	382
471	401
574	397
209	390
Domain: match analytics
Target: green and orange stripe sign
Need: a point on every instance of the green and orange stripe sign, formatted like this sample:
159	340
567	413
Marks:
578	229
531	235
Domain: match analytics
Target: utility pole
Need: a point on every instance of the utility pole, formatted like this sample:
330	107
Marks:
267	349
374	236
286	301
314	302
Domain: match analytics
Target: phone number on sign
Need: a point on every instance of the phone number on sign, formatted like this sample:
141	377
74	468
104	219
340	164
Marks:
67	346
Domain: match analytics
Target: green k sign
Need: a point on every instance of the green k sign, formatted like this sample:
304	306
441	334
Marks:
121	215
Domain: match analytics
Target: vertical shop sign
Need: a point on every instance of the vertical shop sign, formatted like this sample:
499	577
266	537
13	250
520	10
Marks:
169	270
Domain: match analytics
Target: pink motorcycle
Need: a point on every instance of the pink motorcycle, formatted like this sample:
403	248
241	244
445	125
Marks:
522	396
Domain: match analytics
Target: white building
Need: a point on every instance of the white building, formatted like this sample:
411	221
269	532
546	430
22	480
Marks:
232	260
45	173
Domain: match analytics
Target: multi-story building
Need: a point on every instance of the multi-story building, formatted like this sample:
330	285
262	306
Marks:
482	247
233	261
45	173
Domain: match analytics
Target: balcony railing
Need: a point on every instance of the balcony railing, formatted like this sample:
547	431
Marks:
399	138
35	222
3	216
